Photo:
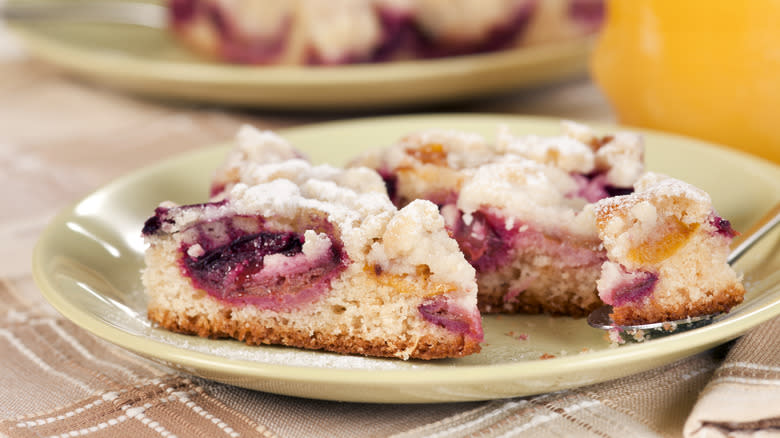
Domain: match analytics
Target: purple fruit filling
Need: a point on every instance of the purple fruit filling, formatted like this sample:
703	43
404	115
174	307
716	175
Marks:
398	33
265	268
182	10
594	187
240	260
441	312
484	241
588	12
619	287
487	243
618	191
722	226
391	184
227	270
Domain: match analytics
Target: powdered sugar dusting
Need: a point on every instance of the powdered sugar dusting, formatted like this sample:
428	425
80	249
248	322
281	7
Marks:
416	236
621	158
653	186
663	185
463	149
566	152
252	147
351	26
527	190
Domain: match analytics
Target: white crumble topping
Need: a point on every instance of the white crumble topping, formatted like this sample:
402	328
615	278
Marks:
354	200
261	146
622	159
184	218
525	189
459	20
655	186
416	236
565	152
315	244
341	27
195	251
578	131
252	147
260	19
463	149
646	217
663	185
528	178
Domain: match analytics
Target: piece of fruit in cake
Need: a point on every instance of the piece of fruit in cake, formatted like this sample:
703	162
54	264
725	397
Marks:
516	206
667	251
313	257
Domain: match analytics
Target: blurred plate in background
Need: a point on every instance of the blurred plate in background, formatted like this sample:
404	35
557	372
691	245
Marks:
149	62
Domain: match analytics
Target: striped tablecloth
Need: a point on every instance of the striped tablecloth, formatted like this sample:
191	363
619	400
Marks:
61	139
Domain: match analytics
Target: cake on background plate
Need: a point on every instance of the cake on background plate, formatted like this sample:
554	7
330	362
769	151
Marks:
328	32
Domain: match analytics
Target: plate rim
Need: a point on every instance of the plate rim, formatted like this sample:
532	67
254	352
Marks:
138	74
705	337
311	74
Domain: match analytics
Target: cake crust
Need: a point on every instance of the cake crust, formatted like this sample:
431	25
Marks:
268	333
723	300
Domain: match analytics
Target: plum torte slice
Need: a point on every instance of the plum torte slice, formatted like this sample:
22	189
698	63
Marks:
667	251
328	32
313	257
517	207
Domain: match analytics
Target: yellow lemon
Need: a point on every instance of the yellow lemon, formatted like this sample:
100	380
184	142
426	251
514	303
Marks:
705	68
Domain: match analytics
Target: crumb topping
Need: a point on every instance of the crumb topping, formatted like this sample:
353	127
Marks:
525	189
354	201
621	158
339	27
411	238
464	19
252	147
690	204
567	152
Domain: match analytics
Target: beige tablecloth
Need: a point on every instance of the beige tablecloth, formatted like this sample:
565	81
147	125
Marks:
60	139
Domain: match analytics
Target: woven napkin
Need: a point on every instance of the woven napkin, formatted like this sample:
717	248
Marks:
743	397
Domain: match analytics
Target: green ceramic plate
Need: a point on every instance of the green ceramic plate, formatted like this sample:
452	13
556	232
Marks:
149	62
87	264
